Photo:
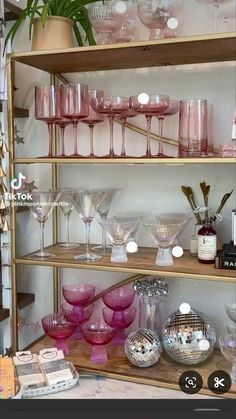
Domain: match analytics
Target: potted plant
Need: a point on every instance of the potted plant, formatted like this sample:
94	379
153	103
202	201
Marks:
53	23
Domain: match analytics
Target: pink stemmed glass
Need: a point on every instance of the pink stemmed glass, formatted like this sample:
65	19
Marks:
97	333
172	109
93	117
57	327
74	106
129	30
76	317
111	106
119	300
46	108
123	118
119	324
150	106
78	295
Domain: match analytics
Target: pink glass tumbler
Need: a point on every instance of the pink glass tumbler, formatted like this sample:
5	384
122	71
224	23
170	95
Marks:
193	131
79	296
120	324
57	327
119	300
76	317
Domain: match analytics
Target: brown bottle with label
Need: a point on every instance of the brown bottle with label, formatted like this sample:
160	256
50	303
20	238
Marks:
207	243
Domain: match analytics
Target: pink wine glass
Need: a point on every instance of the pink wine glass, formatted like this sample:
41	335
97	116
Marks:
76	317
97	333
119	300
62	123
93	117
46	108
119	324
111	106
78	295
75	106
150	106
172	109
123	118
57	327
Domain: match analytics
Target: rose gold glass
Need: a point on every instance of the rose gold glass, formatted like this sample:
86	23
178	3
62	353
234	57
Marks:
46	109
150	106
172	109
123	118
93	117
193	136
74	107
129	30
111	106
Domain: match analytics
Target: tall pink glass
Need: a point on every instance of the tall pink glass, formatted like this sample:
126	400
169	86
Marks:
123	118
111	106
149	105
46	109
172	109
193	131
93	117
120	324
74	107
57	327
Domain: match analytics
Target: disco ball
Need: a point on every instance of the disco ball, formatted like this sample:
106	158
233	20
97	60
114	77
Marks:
188	338
143	348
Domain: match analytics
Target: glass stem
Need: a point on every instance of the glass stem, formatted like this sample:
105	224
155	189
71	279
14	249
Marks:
75	125
87	225
62	127
104	236
91	127
67	216
50	140
149	122
111	122
123	153
42	237
160	145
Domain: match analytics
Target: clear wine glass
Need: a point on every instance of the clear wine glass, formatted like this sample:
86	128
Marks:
216	4
93	117
86	203
172	109
74	106
111	106
46	108
67	207
150	106
130	113
41	204
107	18
103	210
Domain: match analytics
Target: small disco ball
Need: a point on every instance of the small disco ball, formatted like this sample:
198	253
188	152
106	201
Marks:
188	337
143	348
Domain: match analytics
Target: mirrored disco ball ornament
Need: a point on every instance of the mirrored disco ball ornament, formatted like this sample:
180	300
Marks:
188	337
143	348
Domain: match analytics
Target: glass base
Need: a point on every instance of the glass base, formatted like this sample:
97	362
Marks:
43	255
65	245
119	338
103	249
99	354
61	344
88	257
164	257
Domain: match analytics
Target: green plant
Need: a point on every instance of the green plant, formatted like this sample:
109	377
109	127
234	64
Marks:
71	9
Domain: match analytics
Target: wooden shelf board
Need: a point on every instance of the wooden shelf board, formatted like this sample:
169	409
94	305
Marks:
18	112
142	262
172	51
4	314
24	299
165	373
121	161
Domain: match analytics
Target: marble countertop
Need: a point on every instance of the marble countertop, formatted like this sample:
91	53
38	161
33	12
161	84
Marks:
97	387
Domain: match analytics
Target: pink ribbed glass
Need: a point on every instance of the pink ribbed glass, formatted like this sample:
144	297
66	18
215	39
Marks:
193	131
76	317
121	322
57	327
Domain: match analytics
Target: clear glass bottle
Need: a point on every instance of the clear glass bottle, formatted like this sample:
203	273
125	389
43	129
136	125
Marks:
207	243
194	240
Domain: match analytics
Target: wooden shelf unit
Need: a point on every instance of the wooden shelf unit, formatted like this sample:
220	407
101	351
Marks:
23	300
18	112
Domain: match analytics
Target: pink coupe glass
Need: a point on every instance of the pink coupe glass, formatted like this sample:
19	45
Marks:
119	300
120	324
172	109
76	317
98	334
150	106
78	295
74	107
57	327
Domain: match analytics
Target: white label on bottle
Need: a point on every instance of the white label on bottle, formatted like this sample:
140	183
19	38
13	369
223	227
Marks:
206	247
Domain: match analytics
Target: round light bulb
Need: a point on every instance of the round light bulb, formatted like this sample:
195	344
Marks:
143	98
204	345
172	23
120	7
184	308
177	251
131	247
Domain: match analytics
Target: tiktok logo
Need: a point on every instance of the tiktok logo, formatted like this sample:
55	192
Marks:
17	183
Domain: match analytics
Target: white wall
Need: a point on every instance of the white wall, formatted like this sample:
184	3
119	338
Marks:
149	188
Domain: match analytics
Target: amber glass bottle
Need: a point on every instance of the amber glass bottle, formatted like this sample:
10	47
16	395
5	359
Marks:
207	243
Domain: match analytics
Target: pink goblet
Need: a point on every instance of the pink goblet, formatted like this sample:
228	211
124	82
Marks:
119	300
76	317
111	106
98	334
57	327
172	109
120	324
78	295
123	118
74	107
150	106
93	117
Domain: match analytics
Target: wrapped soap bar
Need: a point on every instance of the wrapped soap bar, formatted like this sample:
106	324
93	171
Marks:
7	378
28	370
54	366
